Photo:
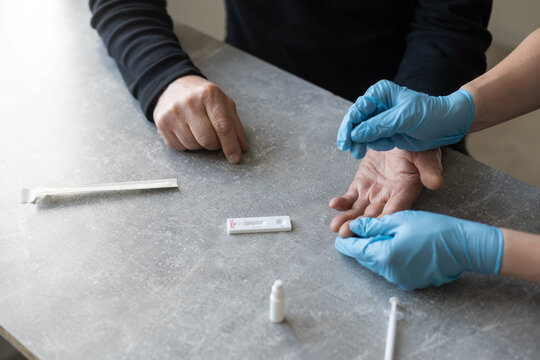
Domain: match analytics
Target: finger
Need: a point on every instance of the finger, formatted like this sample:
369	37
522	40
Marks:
222	121
344	202
175	125
242	140
383	144
362	249
338	221
399	203
429	166
383	125
374	209
349	201
351	246
358	151
171	140
239	129
359	206
374	227
184	134
362	109
345	230
367	107
383	91
344	132
402	199
202	131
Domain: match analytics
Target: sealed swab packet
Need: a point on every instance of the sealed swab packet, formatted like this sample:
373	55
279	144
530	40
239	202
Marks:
29	195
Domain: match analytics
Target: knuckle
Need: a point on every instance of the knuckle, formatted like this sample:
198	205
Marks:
187	102
222	125
164	122
160	123
209	91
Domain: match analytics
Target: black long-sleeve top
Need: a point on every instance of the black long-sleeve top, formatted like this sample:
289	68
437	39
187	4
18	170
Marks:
433	46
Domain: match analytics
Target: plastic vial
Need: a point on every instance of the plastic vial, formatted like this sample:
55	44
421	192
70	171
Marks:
277	302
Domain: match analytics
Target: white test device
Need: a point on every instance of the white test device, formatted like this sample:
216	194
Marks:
258	224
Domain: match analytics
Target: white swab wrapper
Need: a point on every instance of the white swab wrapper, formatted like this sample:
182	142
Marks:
30	194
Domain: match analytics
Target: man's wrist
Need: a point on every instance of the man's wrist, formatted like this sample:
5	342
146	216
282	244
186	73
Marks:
162	83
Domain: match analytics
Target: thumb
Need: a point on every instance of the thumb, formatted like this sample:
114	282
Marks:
430	168
351	246
363	250
362	109
385	91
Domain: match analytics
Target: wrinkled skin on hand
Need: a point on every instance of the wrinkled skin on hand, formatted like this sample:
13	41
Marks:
386	182
193	114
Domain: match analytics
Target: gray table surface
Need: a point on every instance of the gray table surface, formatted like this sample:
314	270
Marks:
154	275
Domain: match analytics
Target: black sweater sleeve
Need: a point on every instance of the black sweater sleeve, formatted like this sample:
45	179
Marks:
446	45
139	36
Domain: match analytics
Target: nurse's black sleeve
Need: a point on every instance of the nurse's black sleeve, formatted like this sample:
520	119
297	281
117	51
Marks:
446	45
139	35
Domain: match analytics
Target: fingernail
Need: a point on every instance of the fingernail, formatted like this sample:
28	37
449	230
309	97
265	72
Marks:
234	158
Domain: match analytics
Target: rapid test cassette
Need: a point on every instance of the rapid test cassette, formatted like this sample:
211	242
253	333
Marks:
258	224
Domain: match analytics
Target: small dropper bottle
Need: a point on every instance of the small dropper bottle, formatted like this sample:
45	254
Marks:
277	302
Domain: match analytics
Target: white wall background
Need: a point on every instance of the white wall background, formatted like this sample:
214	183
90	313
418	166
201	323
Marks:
512	20
207	16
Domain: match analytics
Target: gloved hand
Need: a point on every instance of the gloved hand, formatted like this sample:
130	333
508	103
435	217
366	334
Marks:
416	249
389	116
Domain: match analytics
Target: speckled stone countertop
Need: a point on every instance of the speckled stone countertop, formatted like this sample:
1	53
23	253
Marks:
154	275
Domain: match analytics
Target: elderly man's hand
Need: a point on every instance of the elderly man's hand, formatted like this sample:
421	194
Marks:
386	182
193	114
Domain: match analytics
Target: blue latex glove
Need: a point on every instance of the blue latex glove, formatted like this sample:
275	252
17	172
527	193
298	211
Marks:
416	249
389	116
364	108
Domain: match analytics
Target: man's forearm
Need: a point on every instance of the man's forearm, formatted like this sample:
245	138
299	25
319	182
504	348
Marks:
521	255
139	35
510	89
